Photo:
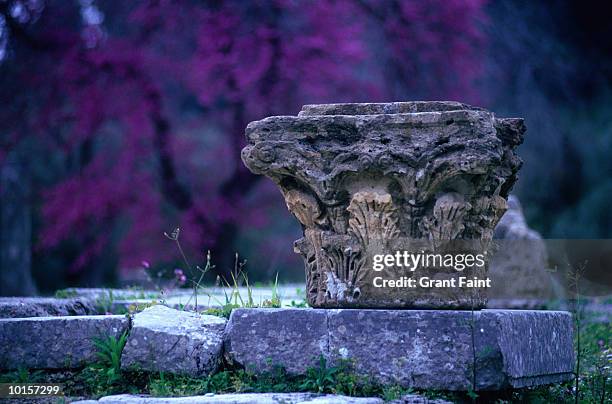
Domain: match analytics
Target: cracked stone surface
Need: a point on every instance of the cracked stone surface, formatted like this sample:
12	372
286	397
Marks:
366	179
169	340
428	349
55	342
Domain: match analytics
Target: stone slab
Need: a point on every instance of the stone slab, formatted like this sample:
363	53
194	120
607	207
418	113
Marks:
259	339
428	349
424	349
242	398
375	108
55	342
257	398
19	307
536	347
168	340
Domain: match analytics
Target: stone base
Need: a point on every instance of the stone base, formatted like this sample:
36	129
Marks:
443	350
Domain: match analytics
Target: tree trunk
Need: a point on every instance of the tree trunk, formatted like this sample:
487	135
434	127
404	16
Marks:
15	231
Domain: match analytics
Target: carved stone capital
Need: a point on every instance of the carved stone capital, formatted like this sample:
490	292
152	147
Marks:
365	179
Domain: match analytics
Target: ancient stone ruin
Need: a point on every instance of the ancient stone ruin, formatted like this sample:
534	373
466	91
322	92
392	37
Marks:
364	180
519	265
369	179
367	182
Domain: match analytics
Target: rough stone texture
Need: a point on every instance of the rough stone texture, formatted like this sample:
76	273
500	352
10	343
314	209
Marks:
419	349
536	347
375	108
17	307
55	342
429	349
366	179
417	399
262	339
168	340
433	349
518	268
245	398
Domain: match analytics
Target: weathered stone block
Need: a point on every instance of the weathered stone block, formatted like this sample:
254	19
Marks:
422	349
536	347
260	339
244	398
429	349
19	307
169	340
55	342
368	179
438	349
518	266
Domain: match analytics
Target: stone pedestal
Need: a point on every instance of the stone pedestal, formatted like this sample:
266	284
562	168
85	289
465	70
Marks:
371	179
424	349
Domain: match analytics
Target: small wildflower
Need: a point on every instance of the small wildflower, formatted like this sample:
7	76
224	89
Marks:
178	272
182	279
145	264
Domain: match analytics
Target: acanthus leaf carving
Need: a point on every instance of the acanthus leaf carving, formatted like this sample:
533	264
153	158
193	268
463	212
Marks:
446	221
373	216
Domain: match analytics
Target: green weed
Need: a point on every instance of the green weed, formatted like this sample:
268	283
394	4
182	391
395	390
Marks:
109	354
22	375
65	294
302	302
320	378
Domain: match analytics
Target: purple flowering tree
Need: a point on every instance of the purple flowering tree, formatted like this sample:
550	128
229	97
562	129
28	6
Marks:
133	114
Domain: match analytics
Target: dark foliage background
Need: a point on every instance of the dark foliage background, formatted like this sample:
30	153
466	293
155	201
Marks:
122	120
